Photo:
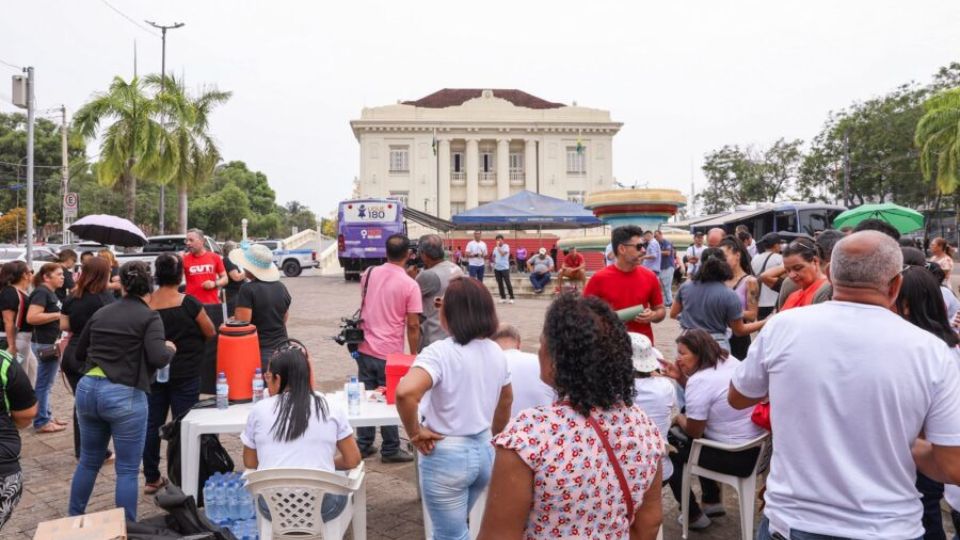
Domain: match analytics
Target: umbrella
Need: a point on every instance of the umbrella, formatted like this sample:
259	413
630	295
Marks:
903	219
108	229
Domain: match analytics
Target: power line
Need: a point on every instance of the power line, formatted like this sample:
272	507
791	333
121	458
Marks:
131	19
8	64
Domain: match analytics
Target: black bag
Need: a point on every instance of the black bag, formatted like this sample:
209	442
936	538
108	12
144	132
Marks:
48	353
182	520
213	456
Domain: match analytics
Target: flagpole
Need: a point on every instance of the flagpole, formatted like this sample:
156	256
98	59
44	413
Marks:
436	159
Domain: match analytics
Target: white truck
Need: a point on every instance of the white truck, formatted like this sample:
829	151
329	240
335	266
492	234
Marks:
175	243
290	261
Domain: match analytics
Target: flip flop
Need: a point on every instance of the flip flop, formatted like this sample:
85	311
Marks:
51	427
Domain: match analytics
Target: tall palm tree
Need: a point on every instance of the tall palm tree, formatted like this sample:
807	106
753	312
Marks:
938	137
134	144
188	123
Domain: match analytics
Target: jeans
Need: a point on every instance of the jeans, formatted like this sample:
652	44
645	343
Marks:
666	285
540	281
476	272
46	376
504	276
109	410
372	373
452	477
176	396
763	533
331	506
931	492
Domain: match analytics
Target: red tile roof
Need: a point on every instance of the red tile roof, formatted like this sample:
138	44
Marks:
449	97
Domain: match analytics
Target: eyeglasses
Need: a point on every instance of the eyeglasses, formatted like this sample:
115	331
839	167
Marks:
638	245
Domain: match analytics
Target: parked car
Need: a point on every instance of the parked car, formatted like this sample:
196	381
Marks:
290	261
156	245
41	255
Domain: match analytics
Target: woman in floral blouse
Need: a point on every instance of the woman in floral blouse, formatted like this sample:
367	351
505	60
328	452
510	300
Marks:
553	476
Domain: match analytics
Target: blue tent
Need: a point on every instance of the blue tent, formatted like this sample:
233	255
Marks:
527	210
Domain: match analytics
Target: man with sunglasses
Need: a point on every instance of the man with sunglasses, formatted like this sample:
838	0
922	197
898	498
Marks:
626	283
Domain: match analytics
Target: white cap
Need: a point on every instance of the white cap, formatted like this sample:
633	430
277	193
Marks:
542	251
645	355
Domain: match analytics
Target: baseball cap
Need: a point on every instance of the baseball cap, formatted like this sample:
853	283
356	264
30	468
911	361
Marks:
645	355
542	251
698	233
771	238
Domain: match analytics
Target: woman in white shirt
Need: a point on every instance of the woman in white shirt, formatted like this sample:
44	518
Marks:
705	370
470	395
656	395
295	427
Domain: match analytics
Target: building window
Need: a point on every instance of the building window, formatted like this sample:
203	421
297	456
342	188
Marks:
576	160
575	196
516	162
457	208
486	162
400	196
456	162
399	159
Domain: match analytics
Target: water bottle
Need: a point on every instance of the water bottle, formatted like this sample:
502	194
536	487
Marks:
163	374
257	385
209	506
353	396
222	390
236	501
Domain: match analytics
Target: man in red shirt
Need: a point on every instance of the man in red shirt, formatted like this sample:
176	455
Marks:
204	273
572	268
626	283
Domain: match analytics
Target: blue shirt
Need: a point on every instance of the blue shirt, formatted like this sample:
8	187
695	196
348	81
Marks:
667	262
501	261
653	248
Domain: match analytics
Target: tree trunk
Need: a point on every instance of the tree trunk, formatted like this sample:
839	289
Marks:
936	216
182	207
130	195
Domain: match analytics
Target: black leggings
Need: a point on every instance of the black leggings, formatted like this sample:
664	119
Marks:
739	464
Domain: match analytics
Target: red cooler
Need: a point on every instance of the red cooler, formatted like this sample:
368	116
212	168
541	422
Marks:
238	356
397	366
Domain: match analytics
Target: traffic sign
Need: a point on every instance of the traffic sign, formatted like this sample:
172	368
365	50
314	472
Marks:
71	202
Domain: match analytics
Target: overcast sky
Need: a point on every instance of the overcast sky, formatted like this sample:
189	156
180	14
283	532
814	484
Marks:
684	77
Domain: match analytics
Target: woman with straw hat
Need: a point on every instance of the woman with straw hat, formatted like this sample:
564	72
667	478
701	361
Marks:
263	301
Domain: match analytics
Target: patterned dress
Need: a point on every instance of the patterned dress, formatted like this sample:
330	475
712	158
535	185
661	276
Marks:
576	493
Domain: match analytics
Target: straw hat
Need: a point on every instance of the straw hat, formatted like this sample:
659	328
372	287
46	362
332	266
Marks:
645	355
258	260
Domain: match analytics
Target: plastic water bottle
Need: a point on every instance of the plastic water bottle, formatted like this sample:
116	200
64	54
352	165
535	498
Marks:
257	385
163	374
353	396
209	499
222	391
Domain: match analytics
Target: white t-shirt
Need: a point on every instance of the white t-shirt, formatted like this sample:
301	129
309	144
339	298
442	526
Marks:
479	252
768	296
850	385
314	449
752	249
706	397
951	302
694	251
528	390
952	494
466	385
657	397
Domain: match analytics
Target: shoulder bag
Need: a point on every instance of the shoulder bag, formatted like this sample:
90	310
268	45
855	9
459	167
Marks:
624	486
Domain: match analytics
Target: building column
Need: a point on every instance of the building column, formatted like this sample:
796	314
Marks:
443	193
503	168
530	164
473	170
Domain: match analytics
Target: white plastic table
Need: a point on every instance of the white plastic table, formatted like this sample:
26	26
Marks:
234	419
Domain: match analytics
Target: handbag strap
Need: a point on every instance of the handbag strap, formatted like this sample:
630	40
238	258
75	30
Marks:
363	295
624	487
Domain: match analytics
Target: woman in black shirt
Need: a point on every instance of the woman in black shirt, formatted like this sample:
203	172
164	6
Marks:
123	345
44	317
90	295
15	278
188	326
235	278
68	259
263	300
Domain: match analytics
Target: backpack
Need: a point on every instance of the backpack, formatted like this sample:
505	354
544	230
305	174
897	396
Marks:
213	456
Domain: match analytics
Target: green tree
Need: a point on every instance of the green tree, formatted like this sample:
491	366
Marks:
220	213
13	224
214	213
134	143
297	214
937	135
189	124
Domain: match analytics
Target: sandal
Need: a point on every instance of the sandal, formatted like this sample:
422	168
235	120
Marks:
60	422
50	427
152	487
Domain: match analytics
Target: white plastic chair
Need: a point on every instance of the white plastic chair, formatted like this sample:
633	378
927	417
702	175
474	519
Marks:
746	487
293	496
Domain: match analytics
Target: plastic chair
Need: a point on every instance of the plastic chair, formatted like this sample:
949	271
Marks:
293	496
746	487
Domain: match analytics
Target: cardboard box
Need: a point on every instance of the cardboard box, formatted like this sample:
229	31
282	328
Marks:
108	525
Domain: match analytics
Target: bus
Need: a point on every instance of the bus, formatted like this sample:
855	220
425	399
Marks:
363	226
792	218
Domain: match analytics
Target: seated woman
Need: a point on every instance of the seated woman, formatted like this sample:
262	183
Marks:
656	394
705	370
295	427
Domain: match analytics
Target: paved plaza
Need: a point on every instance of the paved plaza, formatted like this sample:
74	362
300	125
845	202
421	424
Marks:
393	507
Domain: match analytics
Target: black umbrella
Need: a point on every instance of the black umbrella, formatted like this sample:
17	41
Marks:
107	229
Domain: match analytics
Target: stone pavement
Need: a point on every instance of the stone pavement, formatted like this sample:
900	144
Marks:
393	508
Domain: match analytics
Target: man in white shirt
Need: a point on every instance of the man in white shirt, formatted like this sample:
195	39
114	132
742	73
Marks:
528	390
851	386
476	257
692	256
769	258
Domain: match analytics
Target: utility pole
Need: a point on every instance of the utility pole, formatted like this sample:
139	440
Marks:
30	114
846	168
64	173
163	80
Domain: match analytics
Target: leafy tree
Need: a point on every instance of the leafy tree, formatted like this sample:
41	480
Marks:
937	136
220	215
297	214
135	144
328	227
741	175
13	224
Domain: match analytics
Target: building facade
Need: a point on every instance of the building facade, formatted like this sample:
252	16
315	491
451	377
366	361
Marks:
459	148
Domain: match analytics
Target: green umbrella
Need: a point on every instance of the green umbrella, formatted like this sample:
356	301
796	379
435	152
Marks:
903	219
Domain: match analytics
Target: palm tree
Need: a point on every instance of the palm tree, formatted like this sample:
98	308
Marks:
938	137
188	126
134	145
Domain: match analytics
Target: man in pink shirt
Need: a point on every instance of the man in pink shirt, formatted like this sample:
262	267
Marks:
392	305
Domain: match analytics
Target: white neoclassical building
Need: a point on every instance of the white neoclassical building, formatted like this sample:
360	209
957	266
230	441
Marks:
458	148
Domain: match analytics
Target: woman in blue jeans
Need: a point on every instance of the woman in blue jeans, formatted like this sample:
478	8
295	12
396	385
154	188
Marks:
44	317
120	350
470	395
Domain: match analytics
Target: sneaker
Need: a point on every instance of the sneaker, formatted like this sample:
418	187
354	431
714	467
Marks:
368	451
714	510
402	456
510	301
501	301
702	522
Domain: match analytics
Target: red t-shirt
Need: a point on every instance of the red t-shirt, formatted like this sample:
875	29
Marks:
573	260
622	289
200	268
